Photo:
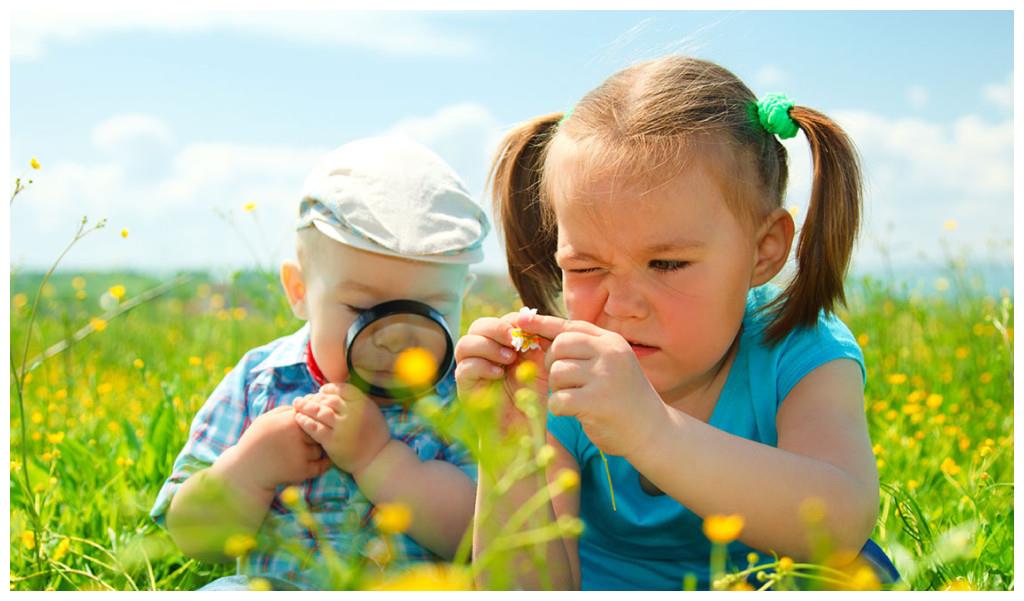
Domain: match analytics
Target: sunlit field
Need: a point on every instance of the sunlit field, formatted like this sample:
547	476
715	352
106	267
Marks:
112	385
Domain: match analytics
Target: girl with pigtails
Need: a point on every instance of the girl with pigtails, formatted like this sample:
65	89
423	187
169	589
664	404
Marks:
680	384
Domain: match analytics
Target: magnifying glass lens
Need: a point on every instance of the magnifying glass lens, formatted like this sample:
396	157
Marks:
402	350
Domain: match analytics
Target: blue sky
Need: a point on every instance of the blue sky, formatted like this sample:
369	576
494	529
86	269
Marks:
159	121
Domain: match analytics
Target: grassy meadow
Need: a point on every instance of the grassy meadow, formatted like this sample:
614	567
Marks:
105	417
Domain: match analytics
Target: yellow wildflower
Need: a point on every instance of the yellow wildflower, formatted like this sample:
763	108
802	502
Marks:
239	313
260	585
985	377
392	518
117	291
912	484
19	300
958	584
80	294
723	529
238	545
962	352
416	367
545	455
567	479
138	363
934	400
194	361
897	379
864	579
34	163
37	418
249	207
785	564
429	577
290	496
526	372
55	438
950	467
61	549
98	324
28	539
124	232
863	340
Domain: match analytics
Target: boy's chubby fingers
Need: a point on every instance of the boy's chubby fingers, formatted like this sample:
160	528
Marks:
348	393
319	411
330	388
313	428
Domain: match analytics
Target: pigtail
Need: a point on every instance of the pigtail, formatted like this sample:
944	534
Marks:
531	236
826	239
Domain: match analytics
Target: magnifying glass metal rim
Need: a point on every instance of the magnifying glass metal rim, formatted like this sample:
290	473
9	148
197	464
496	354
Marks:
381	311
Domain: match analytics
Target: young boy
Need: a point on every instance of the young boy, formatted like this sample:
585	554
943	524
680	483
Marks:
380	219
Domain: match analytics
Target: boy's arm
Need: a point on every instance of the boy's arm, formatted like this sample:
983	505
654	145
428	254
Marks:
355	435
212	505
439	494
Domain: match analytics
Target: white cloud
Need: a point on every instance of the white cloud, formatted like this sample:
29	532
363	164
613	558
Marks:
1000	94
172	214
770	75
917	96
401	34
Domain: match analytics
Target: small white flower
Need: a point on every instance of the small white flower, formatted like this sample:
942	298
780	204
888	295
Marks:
527	312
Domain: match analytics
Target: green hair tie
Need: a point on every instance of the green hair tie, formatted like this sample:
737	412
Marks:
773	113
567	115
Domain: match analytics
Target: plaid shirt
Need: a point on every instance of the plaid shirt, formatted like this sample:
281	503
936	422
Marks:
276	374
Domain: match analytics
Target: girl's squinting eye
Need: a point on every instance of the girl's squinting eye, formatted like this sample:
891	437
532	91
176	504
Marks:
667	265
582	270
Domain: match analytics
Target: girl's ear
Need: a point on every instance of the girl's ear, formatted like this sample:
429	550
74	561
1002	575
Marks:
294	287
774	239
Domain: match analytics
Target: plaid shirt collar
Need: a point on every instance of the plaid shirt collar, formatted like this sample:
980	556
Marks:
293	352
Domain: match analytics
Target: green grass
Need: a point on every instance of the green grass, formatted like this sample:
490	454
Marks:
106	418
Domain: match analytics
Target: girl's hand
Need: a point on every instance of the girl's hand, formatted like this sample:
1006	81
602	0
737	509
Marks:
595	376
348	424
485	359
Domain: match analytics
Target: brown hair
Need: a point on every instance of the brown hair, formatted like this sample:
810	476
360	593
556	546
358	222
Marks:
642	122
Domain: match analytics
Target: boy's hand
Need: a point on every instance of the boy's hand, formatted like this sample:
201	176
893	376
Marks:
272	451
595	376
348	424
485	356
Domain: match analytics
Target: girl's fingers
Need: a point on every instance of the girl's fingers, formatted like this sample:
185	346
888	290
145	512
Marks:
570	345
471	370
549	326
479	346
491	327
564	402
319	411
568	373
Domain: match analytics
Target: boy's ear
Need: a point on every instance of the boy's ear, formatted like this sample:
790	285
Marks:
774	239
294	288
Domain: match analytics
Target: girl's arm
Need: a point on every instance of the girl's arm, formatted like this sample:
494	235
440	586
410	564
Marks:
562	557
823	452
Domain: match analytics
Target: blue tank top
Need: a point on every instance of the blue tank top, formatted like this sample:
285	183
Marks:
653	542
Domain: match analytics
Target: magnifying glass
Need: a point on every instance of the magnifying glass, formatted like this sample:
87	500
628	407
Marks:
399	350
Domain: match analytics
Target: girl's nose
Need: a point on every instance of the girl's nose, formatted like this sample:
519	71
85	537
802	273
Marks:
623	299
